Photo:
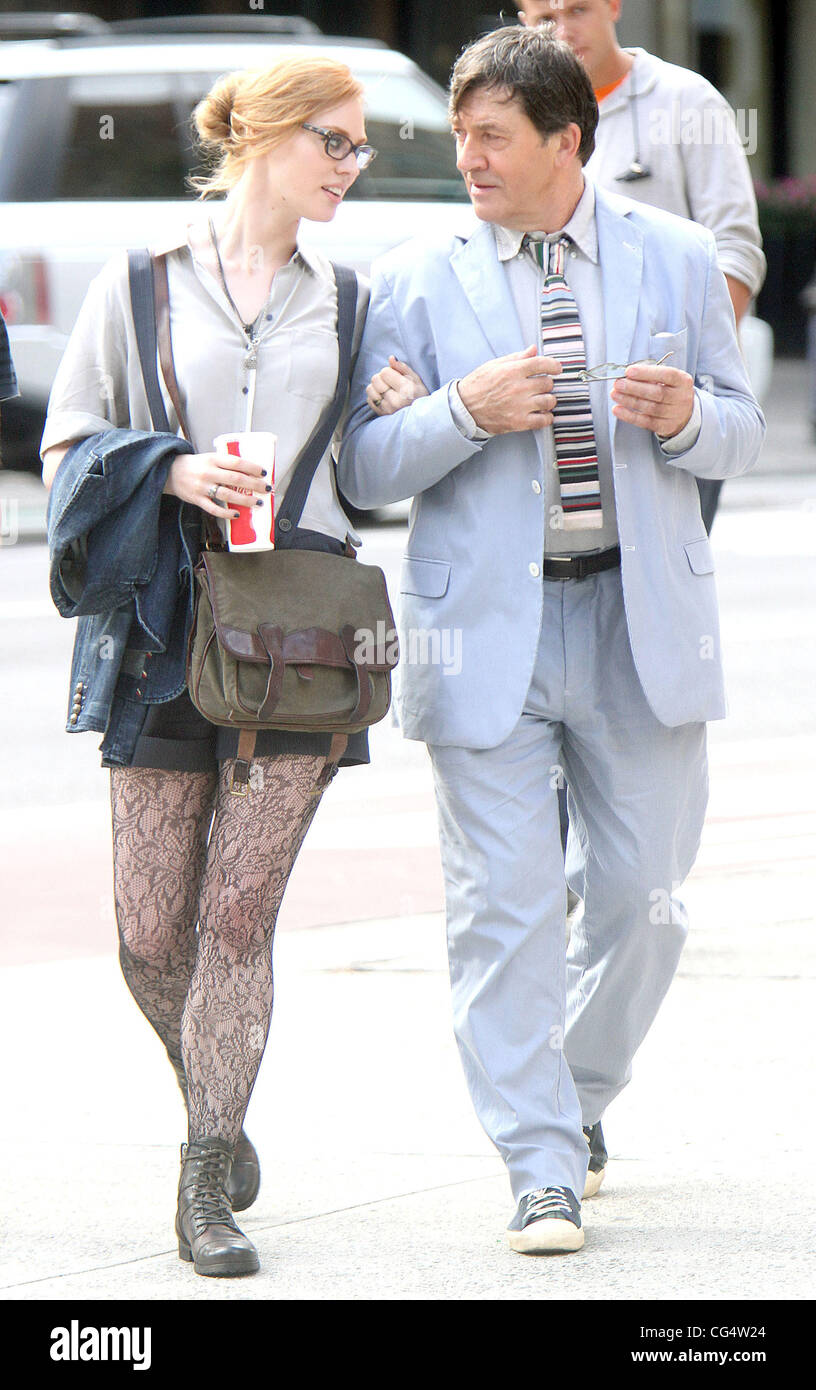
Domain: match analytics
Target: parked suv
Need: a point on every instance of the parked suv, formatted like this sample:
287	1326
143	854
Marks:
96	146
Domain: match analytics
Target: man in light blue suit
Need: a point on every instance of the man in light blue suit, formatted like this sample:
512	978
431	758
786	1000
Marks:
556	538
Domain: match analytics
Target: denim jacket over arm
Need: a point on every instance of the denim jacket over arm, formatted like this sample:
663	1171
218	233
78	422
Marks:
122	556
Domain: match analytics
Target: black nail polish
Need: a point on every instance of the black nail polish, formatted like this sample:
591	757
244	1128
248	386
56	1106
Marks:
269	487
263	472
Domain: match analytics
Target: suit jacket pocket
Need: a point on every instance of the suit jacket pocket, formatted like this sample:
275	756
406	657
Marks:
427	578
674	343
699	556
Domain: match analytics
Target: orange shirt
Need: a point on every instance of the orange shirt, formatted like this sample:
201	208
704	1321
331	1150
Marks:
601	92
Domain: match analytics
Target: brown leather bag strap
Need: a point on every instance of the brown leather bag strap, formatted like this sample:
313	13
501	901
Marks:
162	298
337	748
241	768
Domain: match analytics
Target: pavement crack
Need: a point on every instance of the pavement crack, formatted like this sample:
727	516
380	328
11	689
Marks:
270	1226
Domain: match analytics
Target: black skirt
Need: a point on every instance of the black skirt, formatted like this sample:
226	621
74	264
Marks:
175	737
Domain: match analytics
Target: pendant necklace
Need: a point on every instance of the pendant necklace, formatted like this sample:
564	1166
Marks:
249	328
251	358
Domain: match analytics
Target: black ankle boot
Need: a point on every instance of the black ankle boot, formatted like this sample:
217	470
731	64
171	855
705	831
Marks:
245	1175
207	1233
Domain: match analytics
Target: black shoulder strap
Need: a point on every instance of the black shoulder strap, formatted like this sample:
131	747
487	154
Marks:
298	489
140	275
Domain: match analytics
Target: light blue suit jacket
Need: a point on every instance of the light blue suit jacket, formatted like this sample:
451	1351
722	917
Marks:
477	526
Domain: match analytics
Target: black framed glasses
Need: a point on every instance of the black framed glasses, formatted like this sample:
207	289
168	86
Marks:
339	146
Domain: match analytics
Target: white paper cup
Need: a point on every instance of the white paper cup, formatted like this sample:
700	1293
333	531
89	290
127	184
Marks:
254	528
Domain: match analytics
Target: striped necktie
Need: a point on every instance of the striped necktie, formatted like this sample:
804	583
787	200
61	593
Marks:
576	455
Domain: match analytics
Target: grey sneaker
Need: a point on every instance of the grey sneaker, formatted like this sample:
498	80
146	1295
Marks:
547	1222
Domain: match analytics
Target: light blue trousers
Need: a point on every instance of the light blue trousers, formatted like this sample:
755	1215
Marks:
547	1034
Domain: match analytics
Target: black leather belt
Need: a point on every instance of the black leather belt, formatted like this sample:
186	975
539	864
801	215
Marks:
579	566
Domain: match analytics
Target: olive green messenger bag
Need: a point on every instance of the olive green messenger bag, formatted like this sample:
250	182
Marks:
296	638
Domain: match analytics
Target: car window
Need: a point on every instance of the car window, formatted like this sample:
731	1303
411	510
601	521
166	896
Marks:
407	123
129	136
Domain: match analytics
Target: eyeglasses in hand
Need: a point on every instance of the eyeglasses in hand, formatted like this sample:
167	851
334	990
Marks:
338	146
613	371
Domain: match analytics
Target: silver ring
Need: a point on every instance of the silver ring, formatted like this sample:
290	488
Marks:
378	401
211	492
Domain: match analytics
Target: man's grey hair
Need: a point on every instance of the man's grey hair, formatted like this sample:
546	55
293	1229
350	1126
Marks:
540	72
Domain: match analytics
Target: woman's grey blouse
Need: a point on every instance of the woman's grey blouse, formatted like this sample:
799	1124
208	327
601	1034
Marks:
99	381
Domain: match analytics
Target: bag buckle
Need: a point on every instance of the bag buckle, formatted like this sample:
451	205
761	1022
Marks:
242	767
239	783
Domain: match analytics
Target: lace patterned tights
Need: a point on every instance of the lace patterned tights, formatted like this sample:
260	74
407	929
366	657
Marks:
186	852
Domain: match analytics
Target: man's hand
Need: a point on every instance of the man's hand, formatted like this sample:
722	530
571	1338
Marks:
393	388
511	393
656	398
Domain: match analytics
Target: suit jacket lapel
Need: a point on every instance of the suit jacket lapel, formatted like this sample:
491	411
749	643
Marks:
620	248
486	288
484	282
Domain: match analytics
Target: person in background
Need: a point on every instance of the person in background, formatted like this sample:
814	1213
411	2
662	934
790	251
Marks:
665	137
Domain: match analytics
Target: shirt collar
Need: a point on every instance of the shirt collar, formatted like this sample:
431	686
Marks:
581	228
180	239
639	80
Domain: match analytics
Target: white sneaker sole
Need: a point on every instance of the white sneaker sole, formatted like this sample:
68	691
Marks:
547	1237
593	1183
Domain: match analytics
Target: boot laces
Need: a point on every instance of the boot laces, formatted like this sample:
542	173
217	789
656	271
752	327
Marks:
211	1205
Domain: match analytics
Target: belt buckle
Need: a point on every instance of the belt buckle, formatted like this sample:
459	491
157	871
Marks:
561	559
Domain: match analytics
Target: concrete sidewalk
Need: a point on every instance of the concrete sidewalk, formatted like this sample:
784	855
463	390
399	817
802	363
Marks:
377	1182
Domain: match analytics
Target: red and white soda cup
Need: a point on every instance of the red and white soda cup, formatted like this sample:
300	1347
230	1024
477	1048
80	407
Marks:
254	527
